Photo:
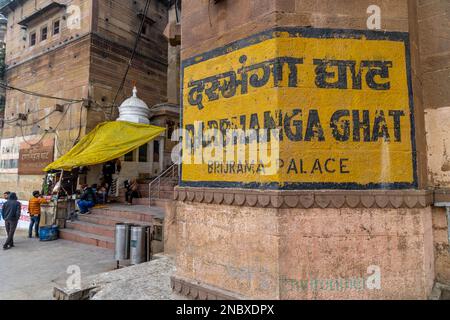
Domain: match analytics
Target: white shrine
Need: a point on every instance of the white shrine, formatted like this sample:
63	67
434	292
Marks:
151	159
134	110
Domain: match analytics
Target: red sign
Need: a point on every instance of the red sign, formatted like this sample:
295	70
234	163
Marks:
33	159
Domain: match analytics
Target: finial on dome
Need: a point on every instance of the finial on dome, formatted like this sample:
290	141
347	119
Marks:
135	92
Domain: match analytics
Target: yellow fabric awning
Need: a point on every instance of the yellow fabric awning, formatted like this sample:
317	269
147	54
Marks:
108	141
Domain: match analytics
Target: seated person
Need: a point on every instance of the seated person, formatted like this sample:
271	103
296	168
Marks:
102	193
87	200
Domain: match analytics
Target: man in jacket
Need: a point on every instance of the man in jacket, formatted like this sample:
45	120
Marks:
11	215
34	209
87	200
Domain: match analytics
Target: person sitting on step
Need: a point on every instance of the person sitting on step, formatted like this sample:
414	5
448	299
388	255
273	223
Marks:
87	201
132	191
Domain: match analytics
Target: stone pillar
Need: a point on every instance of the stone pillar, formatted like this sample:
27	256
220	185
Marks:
173	34
343	207
161	153
151	155
432	45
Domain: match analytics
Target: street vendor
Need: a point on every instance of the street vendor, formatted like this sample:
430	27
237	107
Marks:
34	209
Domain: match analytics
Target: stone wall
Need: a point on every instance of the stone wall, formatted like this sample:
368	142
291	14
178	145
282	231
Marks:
279	254
434	46
115	28
18	39
262	244
64	73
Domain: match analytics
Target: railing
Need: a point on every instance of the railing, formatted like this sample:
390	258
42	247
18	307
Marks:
154	187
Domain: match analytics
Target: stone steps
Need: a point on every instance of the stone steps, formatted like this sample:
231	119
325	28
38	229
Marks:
92	228
145	192
109	221
126	215
98	228
87	238
162	203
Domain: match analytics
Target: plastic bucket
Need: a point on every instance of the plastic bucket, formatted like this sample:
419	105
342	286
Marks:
49	233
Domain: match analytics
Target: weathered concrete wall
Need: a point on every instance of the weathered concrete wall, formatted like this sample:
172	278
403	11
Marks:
204	29
236	249
441	245
271	254
254	250
433	63
343	244
170	231
434	45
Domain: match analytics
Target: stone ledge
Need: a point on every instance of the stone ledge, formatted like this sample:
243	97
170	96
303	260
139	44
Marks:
333	199
199	291
442	196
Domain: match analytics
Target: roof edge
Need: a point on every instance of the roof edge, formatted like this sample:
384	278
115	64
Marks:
7	4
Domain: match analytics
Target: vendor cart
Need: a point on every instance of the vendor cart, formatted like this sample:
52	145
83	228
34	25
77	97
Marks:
57	212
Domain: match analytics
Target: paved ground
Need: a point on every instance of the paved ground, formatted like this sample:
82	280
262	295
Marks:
147	281
33	268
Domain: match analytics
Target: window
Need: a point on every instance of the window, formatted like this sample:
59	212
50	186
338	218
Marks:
129	157
44	33
32	39
56	27
9	164
143	153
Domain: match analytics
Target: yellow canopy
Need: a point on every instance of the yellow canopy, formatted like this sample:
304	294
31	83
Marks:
108	141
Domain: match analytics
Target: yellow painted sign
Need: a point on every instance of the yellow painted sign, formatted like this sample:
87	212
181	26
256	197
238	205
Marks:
301	109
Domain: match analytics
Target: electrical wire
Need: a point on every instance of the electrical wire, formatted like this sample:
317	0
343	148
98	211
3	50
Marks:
79	129
36	94
45	133
39	120
14	122
136	43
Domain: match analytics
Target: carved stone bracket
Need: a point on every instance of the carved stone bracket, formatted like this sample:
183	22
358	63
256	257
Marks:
336	199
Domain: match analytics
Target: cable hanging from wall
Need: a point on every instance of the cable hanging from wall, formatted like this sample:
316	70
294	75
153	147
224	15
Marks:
47	131
32	93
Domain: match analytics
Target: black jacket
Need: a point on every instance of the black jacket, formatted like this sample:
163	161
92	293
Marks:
89	195
11	209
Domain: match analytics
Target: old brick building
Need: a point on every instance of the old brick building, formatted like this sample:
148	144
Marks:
77	50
